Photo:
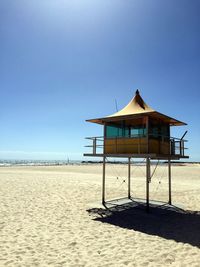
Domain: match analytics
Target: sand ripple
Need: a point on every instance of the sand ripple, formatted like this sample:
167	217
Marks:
44	222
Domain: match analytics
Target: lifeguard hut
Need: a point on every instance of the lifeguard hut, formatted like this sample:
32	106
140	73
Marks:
138	131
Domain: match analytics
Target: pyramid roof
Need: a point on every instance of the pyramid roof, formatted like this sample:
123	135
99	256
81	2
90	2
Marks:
136	108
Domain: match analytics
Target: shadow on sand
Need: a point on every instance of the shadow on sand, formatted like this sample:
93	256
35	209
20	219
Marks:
166	221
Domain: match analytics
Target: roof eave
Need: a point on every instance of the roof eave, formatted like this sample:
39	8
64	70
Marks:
172	121
119	118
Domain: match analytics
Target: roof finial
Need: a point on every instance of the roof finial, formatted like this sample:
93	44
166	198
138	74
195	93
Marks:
137	92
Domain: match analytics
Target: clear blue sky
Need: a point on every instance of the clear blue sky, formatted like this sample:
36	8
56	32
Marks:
62	62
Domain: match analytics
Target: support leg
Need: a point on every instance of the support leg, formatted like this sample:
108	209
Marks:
147	182
129	178
170	185
103	180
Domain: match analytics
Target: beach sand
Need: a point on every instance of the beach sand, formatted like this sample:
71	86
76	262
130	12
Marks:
44	219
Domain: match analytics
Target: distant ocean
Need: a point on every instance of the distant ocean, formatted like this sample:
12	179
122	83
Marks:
7	163
4	163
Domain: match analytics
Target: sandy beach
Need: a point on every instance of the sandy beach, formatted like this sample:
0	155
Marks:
44	219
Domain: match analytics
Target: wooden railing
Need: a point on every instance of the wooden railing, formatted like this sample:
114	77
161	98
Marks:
178	147
137	144
97	144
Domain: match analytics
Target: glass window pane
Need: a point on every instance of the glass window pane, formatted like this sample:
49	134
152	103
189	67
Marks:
114	131
139	131
118	131
111	131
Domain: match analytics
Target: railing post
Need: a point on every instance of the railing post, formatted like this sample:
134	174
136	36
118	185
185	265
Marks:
172	147
104	138
183	148
139	147
180	144
94	145
147	137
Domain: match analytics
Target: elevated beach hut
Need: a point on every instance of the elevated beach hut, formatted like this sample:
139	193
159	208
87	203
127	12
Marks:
138	131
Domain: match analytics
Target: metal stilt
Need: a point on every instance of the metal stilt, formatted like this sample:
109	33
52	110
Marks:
103	180
170	185
147	182
129	178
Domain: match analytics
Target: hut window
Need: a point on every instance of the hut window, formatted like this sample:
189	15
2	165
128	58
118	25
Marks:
113	131
117	131
138	131
155	132
159	131
165	130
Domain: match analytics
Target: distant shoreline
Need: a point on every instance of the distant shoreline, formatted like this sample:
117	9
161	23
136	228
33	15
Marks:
9	163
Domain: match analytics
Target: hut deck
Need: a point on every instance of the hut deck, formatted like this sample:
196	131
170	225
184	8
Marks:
151	156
